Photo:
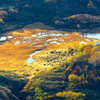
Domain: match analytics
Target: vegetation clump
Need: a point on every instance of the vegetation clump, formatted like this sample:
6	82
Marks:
76	79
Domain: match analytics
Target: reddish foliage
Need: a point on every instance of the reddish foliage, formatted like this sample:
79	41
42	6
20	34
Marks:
77	67
75	71
94	70
87	48
90	72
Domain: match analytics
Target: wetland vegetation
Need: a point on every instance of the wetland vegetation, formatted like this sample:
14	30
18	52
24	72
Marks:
49	50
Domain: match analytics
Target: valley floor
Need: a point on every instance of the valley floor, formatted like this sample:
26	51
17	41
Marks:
49	64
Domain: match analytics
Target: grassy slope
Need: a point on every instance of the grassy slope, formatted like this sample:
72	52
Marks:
75	71
10	85
76	79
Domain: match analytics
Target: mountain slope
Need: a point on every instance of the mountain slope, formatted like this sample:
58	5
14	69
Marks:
58	13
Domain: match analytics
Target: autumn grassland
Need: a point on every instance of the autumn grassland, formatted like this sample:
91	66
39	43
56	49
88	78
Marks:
15	51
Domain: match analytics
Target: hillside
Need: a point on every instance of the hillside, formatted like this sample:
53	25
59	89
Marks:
49	49
73	14
40	64
77	78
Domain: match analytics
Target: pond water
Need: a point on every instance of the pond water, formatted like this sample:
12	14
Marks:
30	60
10	37
17	42
3	38
91	35
54	42
26	67
83	42
51	41
88	40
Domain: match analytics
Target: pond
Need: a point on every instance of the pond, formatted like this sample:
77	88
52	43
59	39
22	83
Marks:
30	60
91	35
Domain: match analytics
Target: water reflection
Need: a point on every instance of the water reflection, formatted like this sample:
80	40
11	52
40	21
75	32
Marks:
91	35
30	60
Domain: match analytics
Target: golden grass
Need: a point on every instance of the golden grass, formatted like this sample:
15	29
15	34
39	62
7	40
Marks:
13	57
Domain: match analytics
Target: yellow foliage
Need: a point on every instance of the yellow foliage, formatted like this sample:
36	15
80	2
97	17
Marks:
78	25
80	47
13	57
76	34
59	94
68	68
57	22
73	16
2	13
72	77
71	95
1	20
